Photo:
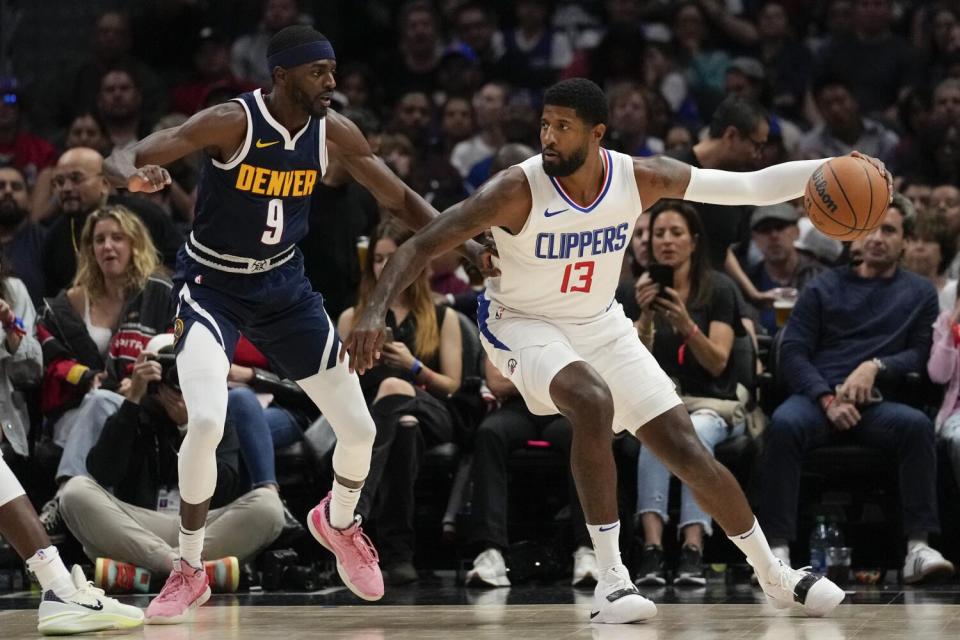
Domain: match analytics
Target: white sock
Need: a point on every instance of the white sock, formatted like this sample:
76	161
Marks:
754	545
47	565
343	505
191	546
606	543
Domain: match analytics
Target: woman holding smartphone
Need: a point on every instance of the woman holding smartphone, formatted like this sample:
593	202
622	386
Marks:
688	319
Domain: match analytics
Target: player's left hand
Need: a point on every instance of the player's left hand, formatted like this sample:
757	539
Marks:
674	310
397	355
879	166
364	343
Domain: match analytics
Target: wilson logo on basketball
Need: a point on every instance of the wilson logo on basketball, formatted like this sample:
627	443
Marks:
820	184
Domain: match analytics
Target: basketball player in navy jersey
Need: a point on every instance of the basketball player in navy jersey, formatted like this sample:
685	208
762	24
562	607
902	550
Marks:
561	221
241	271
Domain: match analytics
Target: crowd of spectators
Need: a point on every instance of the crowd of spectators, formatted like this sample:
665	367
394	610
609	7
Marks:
449	95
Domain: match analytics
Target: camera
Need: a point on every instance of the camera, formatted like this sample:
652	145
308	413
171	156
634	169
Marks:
168	369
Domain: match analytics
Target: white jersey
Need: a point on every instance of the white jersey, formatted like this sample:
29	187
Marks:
565	262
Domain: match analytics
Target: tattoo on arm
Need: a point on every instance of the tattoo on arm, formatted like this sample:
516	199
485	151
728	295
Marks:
660	177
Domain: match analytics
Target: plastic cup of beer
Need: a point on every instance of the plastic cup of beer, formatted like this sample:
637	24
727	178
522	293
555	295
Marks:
784	299
363	244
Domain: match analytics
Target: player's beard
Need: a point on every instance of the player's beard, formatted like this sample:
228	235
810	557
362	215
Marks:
563	167
311	107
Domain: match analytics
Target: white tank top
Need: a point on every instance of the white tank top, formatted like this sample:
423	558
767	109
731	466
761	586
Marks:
565	262
100	335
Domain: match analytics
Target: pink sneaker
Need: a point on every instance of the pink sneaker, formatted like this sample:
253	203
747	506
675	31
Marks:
356	557
185	590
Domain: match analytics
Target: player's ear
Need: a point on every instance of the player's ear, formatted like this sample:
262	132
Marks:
598	131
279	75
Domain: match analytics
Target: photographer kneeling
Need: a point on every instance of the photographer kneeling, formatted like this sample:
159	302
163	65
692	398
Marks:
135	524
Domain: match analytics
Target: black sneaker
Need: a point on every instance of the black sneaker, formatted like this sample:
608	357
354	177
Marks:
651	571
690	567
52	521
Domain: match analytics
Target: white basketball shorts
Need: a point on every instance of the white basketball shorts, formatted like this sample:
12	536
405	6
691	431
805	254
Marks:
530	351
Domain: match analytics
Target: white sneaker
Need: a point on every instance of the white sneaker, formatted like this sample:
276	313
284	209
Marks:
780	553
489	570
786	588
85	611
585	570
617	601
925	563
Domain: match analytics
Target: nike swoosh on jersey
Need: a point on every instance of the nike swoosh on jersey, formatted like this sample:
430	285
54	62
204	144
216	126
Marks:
98	607
261	144
549	214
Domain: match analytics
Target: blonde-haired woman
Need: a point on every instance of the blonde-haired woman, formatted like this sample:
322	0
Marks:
417	370
93	332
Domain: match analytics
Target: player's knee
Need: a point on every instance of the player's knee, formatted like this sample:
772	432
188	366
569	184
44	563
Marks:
394	387
205	427
590	402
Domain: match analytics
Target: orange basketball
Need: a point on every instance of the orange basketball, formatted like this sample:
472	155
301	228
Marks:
846	198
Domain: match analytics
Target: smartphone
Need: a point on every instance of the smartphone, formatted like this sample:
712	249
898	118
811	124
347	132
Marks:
662	274
387	335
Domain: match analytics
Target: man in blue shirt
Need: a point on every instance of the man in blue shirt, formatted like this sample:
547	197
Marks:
853	332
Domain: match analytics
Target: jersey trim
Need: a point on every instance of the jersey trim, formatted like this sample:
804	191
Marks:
483	313
234	264
289	143
241	153
608	168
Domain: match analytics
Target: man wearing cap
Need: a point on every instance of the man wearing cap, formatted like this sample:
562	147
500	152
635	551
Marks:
264	154
211	67
774	231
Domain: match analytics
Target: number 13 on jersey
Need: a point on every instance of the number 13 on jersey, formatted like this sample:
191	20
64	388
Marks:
577	277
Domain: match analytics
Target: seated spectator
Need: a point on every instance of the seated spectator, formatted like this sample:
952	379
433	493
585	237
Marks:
77	84
854	334
18	148
944	368
120	106
250	50
818	246
80	189
211	67
929	251
627	130
407	390
127	511
873	61
488	104
414	66
635	263
475	26
703	66
86	130
507	428
21	240
21	362
917	192
786	61
689	328
456	123
533	52
944	201
775	232
94	331
844	129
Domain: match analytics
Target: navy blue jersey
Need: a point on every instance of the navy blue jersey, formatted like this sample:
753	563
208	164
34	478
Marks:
257	204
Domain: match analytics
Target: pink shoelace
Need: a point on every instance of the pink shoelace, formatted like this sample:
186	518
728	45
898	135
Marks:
174	578
365	546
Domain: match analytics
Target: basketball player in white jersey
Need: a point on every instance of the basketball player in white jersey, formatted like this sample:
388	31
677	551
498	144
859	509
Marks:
561	221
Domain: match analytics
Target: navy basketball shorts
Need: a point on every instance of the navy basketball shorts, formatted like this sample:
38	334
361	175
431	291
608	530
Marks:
277	310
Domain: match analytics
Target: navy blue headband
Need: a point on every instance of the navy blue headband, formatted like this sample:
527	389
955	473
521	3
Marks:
302	54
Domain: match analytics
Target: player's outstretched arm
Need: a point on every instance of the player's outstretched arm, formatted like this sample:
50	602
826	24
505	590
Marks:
503	201
351	148
663	177
218	130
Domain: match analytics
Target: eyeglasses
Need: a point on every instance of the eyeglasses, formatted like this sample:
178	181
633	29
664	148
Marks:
758	145
76	178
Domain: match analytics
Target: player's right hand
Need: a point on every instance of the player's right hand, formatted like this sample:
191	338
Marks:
364	343
148	179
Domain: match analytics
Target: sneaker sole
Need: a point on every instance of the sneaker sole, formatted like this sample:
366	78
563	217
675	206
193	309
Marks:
182	617
69	623
690	581
938	573
477	581
585	581
340	570
650	581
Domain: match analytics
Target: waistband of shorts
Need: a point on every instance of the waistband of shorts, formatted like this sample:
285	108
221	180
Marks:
234	264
